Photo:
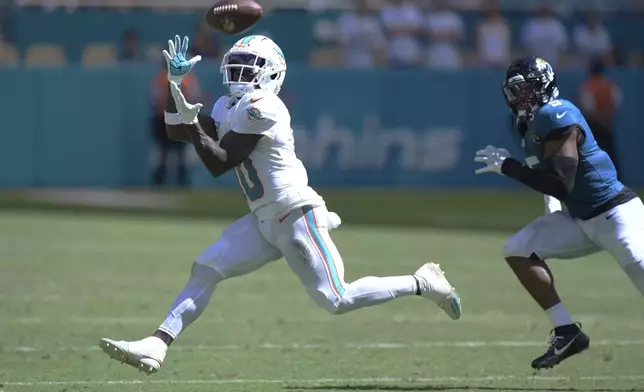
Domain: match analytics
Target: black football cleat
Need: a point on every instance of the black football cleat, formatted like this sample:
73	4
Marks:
565	342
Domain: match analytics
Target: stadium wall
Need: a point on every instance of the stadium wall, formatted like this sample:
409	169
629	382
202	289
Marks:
406	129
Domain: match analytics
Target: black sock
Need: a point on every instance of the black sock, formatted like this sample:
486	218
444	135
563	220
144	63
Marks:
167	339
566	329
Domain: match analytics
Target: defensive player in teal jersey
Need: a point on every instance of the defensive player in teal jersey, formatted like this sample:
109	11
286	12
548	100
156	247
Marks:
563	162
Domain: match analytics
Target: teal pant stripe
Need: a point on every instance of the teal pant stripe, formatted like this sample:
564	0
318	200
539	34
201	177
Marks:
325	251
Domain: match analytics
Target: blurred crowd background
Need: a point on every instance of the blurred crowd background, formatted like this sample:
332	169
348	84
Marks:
353	33
426	72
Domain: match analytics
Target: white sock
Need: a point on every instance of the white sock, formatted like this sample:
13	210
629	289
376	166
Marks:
559	316
191	301
371	291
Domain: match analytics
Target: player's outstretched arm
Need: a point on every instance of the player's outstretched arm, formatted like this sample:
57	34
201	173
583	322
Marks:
174	127
561	161
178	67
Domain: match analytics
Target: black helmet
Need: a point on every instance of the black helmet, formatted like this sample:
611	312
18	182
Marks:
529	83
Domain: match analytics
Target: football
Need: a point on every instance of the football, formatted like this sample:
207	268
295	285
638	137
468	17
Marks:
232	17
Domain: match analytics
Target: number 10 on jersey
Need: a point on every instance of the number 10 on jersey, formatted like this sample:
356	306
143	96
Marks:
249	180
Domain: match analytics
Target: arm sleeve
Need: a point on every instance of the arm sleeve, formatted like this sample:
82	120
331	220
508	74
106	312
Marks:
557	181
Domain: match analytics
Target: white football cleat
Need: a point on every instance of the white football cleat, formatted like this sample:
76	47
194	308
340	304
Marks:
434	285
147	355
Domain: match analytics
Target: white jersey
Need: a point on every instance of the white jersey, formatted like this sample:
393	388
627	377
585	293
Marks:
273	179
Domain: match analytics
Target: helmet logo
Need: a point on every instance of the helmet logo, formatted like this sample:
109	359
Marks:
543	66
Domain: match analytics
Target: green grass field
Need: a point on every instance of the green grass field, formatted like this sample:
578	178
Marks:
67	280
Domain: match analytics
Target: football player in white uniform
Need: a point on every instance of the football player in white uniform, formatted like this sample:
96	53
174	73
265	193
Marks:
250	133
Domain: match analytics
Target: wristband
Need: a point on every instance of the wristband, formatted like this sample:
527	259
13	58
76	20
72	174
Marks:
173	118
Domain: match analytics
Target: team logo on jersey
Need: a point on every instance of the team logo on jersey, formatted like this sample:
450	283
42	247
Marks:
254	114
535	139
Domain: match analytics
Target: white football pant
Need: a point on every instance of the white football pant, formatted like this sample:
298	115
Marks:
619	231
302	238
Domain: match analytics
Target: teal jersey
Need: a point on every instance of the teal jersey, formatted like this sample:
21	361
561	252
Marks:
596	181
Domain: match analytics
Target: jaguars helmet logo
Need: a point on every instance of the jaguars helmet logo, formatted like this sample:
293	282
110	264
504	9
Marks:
544	66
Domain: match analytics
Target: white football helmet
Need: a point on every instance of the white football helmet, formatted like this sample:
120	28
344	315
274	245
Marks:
253	62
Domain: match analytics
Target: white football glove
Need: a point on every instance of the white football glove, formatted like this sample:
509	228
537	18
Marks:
175	59
187	111
492	157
